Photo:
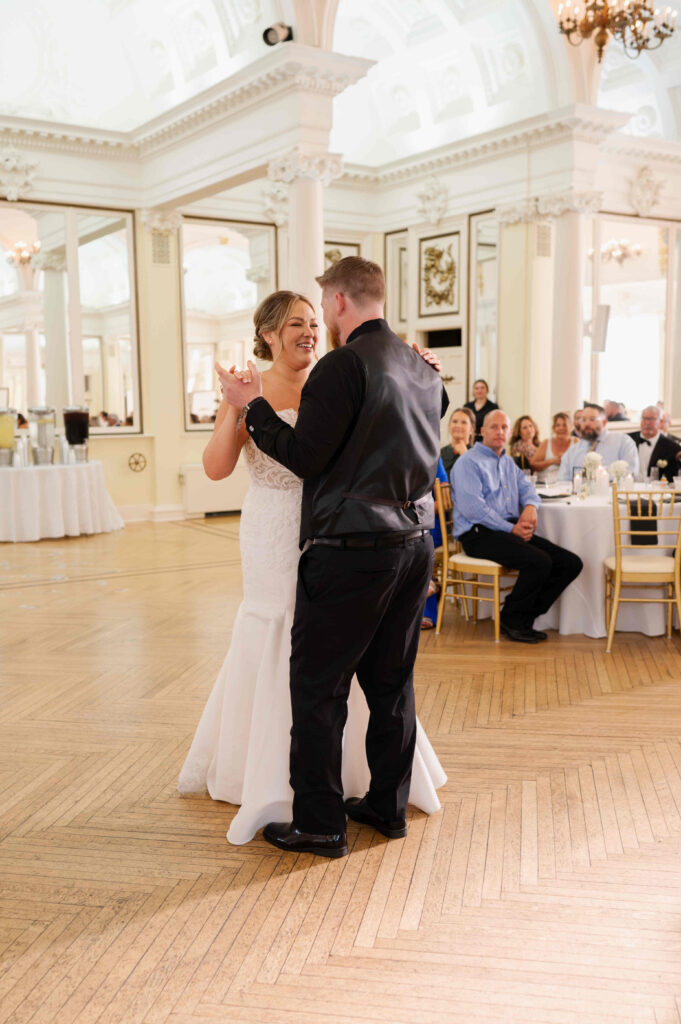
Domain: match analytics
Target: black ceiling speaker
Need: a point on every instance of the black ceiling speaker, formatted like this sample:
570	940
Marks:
277	33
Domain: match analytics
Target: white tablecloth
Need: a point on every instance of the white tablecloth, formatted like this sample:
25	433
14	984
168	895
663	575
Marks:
55	501
586	527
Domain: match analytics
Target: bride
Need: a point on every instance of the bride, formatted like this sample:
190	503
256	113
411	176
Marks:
240	750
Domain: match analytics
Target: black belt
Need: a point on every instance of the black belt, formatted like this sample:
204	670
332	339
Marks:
374	540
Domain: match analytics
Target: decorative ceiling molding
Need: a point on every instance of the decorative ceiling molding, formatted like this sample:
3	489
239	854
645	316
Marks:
290	69
574	124
161	222
644	191
433	200
303	163
16	174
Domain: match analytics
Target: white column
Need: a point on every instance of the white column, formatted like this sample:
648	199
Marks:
306	237
568	316
306	172
58	392
75	338
33	391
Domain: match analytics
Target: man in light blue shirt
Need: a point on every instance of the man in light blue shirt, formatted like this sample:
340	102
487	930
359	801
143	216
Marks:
495	517
596	438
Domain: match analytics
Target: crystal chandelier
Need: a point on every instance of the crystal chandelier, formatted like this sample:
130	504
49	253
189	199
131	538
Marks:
636	24
22	253
618	250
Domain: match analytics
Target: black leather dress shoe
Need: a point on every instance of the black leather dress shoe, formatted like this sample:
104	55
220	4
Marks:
285	836
522	636
540	634
359	810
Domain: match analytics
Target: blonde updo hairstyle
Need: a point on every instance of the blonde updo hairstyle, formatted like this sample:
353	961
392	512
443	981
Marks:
271	315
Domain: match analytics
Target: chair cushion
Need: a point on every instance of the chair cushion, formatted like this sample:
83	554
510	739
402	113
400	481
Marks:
470	564
662	564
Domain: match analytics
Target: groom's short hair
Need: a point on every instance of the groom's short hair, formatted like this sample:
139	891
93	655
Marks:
359	279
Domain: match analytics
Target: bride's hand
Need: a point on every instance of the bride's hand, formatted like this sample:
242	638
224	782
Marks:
240	386
428	357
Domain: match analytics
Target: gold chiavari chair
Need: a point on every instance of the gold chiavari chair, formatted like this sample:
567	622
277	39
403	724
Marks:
453	563
644	515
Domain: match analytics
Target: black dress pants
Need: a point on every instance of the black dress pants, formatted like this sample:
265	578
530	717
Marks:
357	611
545	570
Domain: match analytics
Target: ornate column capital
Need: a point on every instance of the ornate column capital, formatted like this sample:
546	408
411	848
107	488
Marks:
161	222
644	191
16	174
55	261
302	163
549	207
433	200
276	203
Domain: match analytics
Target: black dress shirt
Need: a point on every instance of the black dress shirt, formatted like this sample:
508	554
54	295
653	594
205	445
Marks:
480	415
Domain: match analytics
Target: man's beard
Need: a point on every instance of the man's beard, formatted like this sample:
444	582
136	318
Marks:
333	334
589	434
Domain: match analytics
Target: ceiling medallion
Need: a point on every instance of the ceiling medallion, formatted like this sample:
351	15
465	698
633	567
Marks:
635	23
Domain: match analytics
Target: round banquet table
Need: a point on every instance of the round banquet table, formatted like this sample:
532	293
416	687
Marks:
586	527
55	501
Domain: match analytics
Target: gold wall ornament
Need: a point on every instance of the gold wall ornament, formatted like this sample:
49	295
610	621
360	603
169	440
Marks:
137	462
439	274
635	23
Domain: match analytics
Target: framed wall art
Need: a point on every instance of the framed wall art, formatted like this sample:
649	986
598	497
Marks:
439	274
335	251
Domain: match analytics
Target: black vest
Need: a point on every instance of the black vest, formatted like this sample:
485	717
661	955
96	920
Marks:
381	480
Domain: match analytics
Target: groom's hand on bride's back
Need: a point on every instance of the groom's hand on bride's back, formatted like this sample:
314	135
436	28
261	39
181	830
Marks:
428	357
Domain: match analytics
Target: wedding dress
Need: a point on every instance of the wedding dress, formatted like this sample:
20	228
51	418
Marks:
240	751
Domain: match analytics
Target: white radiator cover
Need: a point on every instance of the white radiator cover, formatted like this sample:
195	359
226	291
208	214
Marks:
200	495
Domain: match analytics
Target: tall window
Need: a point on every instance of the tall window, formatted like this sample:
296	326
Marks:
227	268
67	312
635	275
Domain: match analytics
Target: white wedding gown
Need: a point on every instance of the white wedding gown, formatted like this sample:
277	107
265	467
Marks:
240	752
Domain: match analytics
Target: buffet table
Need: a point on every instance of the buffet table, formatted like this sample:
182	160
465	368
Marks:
55	501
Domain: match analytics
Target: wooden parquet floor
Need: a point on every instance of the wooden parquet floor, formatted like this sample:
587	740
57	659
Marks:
547	891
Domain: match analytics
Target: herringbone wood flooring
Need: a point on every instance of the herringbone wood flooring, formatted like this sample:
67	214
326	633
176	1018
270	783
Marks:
548	890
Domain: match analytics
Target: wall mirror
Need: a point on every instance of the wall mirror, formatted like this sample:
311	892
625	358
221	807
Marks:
67	312
483	298
228	267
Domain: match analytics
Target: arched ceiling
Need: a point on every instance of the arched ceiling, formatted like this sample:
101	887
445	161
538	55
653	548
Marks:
115	64
446	70
648	88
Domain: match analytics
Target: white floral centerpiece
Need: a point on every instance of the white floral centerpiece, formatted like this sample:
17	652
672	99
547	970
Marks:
591	463
619	469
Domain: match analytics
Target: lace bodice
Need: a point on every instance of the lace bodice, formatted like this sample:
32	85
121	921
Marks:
264	471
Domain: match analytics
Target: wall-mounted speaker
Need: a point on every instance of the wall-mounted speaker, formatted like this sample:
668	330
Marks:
599	333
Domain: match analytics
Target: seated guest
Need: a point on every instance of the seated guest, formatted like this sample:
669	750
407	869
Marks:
524	441
480	405
596	438
614	411
550	452
495	516
430	611
577	424
654	447
462	431
665	423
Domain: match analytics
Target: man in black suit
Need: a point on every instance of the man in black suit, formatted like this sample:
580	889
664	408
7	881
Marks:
654	446
367	445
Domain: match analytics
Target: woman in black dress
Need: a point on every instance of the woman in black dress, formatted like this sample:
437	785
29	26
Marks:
480	405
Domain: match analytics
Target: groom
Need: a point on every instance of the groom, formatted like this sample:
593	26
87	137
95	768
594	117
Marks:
366	445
